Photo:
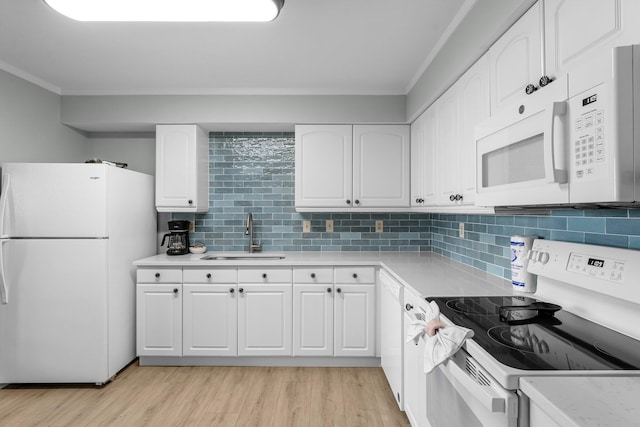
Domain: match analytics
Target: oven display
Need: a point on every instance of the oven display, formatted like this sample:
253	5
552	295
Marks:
611	270
594	262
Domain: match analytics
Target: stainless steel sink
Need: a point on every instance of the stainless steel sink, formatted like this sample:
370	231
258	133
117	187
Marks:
242	256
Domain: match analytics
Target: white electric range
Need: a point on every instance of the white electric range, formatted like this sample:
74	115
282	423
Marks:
582	320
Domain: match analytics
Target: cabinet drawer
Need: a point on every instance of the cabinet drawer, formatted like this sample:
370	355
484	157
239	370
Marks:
210	275
355	275
264	275
313	275
159	275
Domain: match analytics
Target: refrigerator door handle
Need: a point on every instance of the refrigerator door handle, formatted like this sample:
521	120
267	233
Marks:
4	197
4	290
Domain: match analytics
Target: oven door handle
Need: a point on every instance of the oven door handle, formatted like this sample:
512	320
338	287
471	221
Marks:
492	397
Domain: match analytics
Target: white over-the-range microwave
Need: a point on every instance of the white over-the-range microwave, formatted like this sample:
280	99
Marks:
575	141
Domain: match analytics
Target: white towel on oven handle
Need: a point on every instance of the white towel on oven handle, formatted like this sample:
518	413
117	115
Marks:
444	344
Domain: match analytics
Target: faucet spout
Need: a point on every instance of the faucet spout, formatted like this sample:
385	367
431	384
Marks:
248	231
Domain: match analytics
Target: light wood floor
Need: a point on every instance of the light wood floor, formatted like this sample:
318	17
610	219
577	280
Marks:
211	396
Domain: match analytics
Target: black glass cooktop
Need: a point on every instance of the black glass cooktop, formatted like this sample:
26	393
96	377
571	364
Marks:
540	340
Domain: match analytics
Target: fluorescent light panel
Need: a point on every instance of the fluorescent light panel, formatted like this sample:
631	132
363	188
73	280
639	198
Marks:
168	10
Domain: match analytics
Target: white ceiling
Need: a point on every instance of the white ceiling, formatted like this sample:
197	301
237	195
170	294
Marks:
313	47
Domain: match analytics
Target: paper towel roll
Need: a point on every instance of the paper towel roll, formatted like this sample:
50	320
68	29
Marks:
522	280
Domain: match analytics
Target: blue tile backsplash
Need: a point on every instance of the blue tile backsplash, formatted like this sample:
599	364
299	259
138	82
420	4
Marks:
254	172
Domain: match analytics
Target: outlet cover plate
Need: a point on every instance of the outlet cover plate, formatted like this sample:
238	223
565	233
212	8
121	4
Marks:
306	226
461	230
329	226
379	226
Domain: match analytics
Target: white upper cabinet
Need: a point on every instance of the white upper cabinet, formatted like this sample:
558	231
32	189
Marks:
575	29
458	112
182	168
515	60
381	176
352	167
443	167
324	155
473	108
448	147
423	160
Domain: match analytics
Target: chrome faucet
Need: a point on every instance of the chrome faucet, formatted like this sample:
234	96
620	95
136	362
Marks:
249	232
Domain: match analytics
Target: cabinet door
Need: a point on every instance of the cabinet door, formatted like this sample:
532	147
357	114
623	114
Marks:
515	60
429	156
381	168
313	320
415	381
264	320
473	107
354	330
159	319
423	156
448	147
210	315
324	156
182	169
576	29
418	166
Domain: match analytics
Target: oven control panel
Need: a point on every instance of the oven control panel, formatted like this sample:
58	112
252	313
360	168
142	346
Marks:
597	266
606	270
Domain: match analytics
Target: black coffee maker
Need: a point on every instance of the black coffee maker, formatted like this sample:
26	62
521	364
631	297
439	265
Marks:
178	238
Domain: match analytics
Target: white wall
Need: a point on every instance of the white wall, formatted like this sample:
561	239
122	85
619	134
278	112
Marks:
484	24
137	151
131	113
30	129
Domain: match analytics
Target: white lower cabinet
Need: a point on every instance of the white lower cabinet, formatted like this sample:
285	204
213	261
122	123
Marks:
159	311
334	319
159	319
265	312
415	380
256	311
355	312
209	312
313	320
209	320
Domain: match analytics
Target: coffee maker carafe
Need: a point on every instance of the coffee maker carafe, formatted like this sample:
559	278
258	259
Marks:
178	238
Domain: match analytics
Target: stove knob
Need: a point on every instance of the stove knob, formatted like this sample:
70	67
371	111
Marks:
544	257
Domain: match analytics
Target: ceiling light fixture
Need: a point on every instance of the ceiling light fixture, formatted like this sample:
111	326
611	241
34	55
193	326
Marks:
169	10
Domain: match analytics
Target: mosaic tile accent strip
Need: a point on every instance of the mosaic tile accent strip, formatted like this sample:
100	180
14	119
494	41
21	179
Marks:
486	242
254	172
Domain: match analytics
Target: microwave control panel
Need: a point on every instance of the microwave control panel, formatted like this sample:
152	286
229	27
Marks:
588	142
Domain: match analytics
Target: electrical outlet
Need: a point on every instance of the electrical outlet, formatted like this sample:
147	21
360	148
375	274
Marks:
379	226
306	226
192	226
329	226
461	230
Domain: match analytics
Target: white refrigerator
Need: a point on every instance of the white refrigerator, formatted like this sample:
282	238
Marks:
68	236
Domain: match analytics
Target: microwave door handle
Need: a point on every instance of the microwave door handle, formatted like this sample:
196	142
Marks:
554	174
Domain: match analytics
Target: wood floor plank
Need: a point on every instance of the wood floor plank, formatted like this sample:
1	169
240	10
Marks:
210	396
390	414
327	403
293	404
260	405
360	400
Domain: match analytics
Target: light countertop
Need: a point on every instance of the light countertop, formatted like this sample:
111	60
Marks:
425	274
586	401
